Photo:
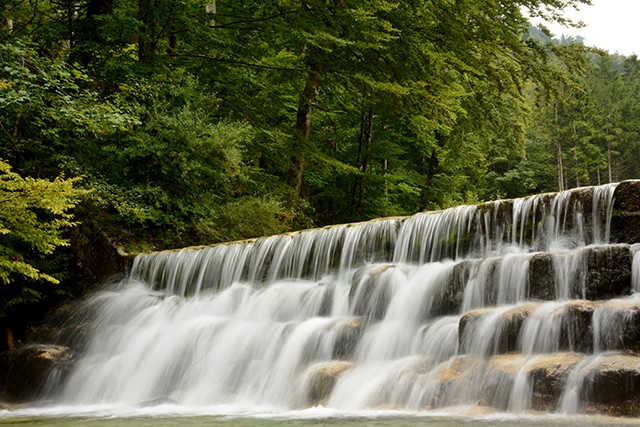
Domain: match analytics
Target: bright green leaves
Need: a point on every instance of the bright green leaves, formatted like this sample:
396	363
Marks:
34	213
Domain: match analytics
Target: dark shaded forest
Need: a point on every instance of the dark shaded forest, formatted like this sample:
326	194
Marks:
164	123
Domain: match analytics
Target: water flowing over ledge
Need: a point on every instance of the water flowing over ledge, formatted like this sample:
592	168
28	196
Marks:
552	221
516	305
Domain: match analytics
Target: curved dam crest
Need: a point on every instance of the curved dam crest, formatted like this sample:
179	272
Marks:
520	305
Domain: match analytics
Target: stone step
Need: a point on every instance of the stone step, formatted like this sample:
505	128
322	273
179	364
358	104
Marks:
592	273
577	325
605	383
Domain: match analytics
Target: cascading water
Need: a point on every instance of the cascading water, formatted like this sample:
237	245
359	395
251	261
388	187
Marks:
494	304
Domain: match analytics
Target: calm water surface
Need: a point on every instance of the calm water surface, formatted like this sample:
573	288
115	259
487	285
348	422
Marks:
170	416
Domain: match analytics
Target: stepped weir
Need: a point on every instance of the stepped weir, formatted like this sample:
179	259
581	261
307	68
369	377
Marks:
530	304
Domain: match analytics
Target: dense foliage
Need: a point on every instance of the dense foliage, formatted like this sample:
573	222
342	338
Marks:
199	121
33	215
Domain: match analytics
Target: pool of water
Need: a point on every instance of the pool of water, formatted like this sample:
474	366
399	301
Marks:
168	415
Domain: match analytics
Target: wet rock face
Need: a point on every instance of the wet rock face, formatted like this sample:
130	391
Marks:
625	223
548	374
25	370
467	322
501	373
612	385
505	329
508	329
450	300
576	333
616	325
348	336
369	294
322	378
608	272
541	277
95	258
604	272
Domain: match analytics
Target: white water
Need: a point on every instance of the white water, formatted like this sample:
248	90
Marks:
635	268
370	313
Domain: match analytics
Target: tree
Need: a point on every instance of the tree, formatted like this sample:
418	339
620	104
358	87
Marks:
630	111
606	88
34	213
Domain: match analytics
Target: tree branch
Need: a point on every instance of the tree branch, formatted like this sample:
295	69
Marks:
250	20
242	63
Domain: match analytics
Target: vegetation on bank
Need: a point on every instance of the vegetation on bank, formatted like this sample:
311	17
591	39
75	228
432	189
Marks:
194	122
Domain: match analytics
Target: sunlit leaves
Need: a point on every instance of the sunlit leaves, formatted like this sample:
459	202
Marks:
33	216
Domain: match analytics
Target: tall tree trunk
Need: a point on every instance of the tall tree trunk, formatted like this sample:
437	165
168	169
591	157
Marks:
576	159
560	166
385	167
212	9
361	137
88	31
607	126
71	11
11	344
146	38
367	138
609	161
303	131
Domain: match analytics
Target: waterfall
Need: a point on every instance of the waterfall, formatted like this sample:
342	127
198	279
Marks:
507	304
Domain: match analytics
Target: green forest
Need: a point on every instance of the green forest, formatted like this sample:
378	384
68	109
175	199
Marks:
159	124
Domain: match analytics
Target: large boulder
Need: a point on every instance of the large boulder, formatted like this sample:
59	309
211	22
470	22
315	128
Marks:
24	372
541	277
452	297
453	382
320	379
